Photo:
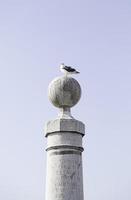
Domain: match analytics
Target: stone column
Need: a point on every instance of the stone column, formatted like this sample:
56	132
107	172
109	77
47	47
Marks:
64	178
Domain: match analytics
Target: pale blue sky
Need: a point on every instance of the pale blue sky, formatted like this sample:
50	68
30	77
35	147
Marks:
35	37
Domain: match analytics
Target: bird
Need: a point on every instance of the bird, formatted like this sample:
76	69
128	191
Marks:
67	70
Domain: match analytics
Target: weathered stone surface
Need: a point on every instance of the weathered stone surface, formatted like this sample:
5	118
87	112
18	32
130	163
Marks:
64	91
64	135
64	176
65	125
68	140
64	179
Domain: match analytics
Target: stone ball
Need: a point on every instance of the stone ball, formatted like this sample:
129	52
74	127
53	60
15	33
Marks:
64	92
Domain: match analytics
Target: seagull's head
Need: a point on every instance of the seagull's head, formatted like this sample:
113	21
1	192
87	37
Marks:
62	65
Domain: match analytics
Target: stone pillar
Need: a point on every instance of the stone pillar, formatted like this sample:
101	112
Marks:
64	178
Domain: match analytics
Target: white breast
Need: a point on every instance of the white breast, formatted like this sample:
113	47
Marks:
63	71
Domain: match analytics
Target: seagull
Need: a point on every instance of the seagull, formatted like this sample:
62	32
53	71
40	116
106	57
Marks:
68	70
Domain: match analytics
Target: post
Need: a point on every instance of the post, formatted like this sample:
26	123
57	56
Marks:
64	178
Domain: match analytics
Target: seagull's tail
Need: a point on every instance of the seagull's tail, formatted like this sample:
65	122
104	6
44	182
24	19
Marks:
77	72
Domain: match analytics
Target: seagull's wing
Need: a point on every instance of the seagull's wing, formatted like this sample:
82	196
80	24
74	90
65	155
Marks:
69	69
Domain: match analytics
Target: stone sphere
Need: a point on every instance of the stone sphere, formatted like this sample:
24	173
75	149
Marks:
64	92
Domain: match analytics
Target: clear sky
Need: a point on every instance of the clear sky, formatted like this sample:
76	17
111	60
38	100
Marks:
95	37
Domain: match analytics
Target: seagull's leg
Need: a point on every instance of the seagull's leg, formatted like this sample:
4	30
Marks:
66	74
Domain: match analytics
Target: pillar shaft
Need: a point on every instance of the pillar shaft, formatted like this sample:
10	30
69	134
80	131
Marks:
64	179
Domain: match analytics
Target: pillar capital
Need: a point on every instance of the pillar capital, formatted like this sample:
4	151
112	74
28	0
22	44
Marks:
64	125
